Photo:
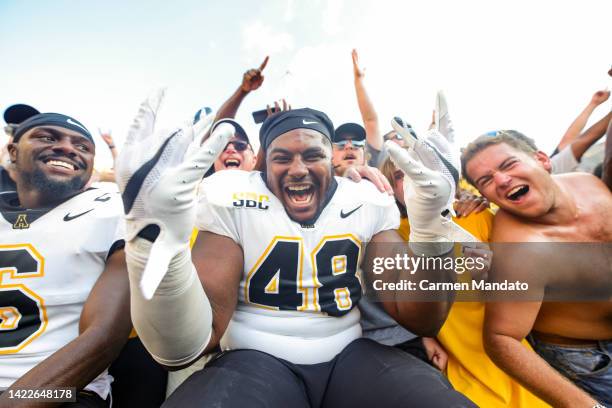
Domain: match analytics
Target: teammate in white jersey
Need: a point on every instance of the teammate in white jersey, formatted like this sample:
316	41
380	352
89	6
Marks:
281	248
64	300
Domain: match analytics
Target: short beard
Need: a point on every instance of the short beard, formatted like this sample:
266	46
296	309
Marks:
54	190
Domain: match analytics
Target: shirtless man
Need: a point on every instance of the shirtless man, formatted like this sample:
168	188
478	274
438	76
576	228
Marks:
535	207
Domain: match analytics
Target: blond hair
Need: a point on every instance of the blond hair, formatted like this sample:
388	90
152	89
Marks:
512	138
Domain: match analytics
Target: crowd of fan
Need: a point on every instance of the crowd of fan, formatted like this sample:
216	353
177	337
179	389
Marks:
472	362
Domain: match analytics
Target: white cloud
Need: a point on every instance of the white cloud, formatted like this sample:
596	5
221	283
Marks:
262	39
331	17
289	11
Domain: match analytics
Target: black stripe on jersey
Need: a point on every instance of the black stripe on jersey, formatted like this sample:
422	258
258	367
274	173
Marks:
117	245
451	169
135	182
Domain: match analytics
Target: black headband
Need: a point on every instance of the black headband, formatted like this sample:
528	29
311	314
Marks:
51	119
283	122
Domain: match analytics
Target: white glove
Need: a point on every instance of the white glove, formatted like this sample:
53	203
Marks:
432	174
158	175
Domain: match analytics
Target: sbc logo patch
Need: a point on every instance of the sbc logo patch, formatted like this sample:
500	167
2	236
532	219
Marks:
251	200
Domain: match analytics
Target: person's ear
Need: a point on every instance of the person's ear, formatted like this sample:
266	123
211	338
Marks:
12	150
544	160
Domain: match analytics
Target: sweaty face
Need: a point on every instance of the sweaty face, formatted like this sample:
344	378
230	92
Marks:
347	156
299	172
56	161
516	181
238	154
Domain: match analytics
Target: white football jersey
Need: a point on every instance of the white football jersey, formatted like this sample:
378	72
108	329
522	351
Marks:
300	285
49	261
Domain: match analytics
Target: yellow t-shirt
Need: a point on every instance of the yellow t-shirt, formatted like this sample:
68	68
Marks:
469	369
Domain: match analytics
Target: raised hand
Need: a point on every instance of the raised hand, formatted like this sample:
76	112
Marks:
108	139
358	72
253	78
286	106
158	174
432	172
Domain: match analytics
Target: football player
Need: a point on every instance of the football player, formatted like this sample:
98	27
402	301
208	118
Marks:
277	254
64	298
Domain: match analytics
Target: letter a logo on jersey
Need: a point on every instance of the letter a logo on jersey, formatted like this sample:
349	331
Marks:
21	222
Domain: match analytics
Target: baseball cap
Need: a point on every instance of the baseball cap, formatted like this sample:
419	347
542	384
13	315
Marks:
238	130
349	130
15	114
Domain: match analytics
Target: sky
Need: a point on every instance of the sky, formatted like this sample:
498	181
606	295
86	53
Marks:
525	65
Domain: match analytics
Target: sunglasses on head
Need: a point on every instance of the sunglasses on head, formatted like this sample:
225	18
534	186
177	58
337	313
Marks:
239	145
354	143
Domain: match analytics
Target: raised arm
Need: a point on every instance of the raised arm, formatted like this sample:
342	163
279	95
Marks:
108	139
366	107
431	176
251	80
590	136
158	175
104	328
579	123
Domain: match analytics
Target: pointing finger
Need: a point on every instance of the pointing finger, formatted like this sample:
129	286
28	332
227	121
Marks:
264	63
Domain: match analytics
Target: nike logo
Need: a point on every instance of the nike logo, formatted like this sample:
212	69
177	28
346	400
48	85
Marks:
103	198
69	217
72	122
344	215
306	122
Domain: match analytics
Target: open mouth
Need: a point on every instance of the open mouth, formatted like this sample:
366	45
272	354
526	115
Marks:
60	164
517	193
232	163
350	156
300	194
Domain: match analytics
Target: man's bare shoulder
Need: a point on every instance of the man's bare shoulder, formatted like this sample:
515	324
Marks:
508	227
580	183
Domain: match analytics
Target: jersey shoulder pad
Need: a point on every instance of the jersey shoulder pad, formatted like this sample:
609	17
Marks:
104	199
363	192
228	186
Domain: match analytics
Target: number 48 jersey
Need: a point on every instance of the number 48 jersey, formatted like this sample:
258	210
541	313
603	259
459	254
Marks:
300	284
49	261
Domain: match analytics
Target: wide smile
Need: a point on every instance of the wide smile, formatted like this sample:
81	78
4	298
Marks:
300	196
61	165
518	193
232	163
